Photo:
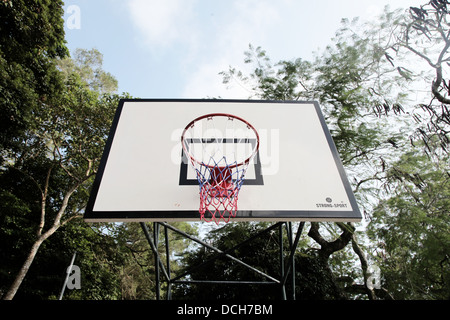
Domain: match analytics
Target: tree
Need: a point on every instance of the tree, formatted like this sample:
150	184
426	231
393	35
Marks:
31	37
426	33
340	80
59	157
138	274
410	222
59	160
364	83
411	229
98	257
417	50
87	64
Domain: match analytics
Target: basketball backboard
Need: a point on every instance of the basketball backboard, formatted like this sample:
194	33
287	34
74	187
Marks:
296	174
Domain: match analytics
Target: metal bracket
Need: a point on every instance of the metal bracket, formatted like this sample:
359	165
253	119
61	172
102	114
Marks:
285	271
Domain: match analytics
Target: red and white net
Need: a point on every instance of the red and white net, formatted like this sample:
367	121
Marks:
220	148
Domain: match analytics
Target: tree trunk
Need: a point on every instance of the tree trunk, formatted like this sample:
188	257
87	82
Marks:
23	271
41	238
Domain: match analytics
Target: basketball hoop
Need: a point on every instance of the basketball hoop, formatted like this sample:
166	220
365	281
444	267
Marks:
219	147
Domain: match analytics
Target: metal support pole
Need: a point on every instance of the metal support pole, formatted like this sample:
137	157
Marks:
69	271
291	246
169	284
227	282
221	253
153	247
158	262
284	270
155	239
280	239
291	256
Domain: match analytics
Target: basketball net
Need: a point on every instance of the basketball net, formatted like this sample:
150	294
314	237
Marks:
219	148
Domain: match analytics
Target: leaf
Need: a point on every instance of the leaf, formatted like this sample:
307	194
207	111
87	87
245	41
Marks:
405	73
419	13
389	58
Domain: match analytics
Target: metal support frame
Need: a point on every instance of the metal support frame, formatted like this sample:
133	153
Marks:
286	269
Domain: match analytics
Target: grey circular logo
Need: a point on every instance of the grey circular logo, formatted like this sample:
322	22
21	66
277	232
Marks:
329	200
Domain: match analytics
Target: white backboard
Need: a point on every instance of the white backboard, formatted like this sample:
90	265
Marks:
296	176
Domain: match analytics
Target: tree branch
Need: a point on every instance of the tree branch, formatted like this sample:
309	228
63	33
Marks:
436	84
44	194
328	248
364	266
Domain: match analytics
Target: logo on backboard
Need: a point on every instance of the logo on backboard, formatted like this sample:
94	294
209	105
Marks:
329	204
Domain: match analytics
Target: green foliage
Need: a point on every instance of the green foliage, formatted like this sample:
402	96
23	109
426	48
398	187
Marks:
270	81
32	35
62	149
87	64
56	124
315	280
367	85
412	229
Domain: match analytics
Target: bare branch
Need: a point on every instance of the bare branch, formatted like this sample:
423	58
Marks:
43	202
364	266
435	87
328	248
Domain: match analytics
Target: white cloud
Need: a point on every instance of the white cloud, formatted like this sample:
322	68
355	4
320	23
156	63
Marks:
205	82
286	28
200	38
210	35
245	22
161	23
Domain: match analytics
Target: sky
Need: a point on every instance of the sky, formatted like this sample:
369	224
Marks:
176	48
